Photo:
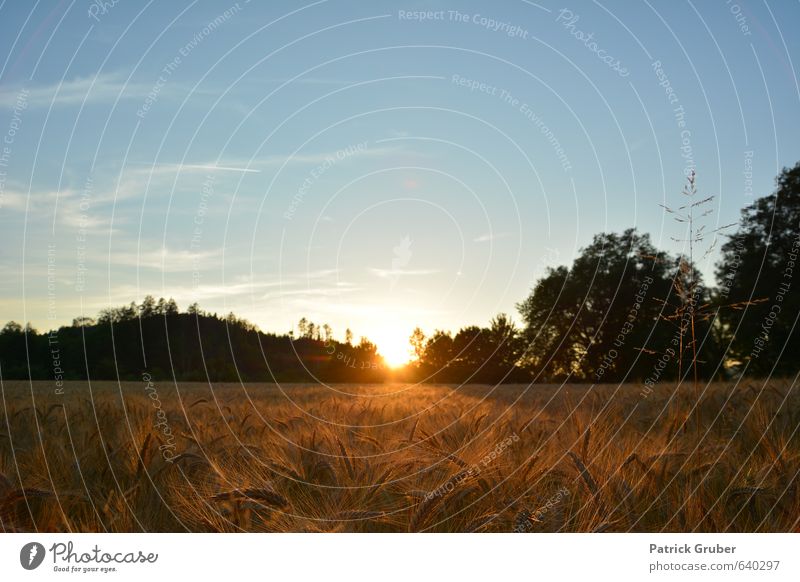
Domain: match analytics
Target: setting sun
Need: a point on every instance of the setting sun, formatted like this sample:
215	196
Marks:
394	346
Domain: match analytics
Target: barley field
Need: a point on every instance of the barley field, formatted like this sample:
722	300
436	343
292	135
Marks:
155	456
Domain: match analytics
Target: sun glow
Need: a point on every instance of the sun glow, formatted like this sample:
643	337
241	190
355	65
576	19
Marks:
393	345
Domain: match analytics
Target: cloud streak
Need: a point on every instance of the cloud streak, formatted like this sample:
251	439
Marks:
168	168
491	236
101	88
389	273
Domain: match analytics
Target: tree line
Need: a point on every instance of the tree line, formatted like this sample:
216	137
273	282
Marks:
155	338
617	313
626	311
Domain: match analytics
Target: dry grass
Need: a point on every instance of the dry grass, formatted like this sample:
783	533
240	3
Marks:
393	458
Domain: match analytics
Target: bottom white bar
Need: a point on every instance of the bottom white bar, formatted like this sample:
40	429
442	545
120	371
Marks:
353	557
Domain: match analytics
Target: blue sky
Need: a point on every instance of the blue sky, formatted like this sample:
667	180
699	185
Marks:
358	165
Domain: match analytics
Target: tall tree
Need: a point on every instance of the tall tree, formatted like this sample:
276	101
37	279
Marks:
760	262
600	319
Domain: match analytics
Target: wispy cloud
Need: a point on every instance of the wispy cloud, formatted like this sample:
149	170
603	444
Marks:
168	260
312	81
318	274
321	157
36	201
490	236
183	294
359	312
309	293
169	168
70	210
256	165
298	286
391	273
104	87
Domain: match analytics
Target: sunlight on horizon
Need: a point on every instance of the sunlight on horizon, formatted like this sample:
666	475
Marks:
394	346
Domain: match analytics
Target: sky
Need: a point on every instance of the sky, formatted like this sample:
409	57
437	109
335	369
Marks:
372	165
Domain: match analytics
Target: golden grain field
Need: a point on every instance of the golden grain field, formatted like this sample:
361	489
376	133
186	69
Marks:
153	456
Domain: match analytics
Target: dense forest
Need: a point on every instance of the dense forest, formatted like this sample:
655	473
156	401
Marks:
620	312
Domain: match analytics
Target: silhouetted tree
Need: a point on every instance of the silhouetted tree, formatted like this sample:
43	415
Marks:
760	262
474	354
417	341
437	356
508	346
599	320
12	328
148	306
